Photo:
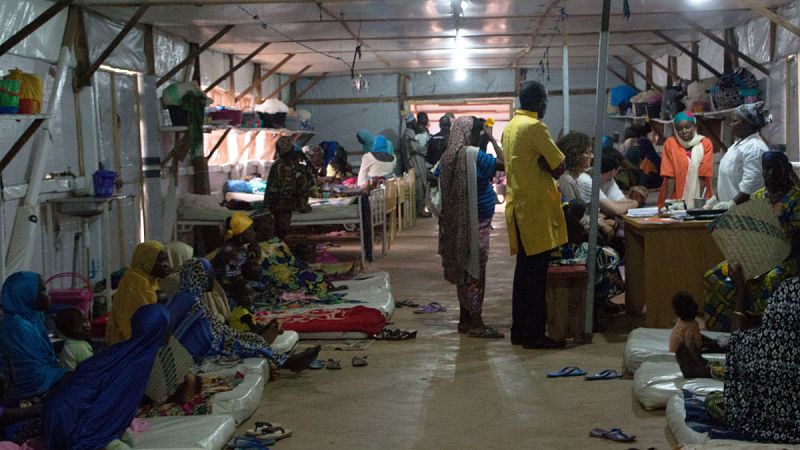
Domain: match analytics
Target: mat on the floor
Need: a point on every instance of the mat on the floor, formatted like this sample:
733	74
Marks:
186	433
654	384
652	344
359	319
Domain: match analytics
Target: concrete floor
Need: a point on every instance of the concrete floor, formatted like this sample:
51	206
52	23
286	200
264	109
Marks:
446	391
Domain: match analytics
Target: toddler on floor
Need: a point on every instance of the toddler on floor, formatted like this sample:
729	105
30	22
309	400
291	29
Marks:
77	331
243	319
687	330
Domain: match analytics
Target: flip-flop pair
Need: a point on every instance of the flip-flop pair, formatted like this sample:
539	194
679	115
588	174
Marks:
573	371
614	434
408	303
432	307
396	335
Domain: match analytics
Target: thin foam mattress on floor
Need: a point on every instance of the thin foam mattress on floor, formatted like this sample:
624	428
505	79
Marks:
652	344
241	402
684	434
186	433
366	317
655	383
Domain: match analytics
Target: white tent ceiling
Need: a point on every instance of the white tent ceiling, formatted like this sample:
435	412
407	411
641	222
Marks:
400	35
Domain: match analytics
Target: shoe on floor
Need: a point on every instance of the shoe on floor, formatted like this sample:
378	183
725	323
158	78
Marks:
544	343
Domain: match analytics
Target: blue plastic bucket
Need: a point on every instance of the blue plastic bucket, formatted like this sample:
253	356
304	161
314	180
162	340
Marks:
104	183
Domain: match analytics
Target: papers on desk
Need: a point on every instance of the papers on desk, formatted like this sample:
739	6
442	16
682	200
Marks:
643	212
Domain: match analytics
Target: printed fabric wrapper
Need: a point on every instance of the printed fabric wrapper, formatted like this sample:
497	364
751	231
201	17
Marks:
750	234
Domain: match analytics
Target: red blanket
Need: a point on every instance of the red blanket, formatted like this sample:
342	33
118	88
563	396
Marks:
358	318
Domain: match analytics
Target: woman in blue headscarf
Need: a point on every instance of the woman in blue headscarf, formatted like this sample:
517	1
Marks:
23	336
378	162
366	139
99	401
204	334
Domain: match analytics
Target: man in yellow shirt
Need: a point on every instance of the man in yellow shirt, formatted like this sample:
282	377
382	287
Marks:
534	217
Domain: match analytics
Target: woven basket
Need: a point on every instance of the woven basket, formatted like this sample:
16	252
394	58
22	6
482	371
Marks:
750	234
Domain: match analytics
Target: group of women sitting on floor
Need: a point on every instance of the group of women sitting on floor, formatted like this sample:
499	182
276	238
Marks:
156	333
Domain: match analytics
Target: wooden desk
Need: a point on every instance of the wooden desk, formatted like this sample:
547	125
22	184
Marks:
661	260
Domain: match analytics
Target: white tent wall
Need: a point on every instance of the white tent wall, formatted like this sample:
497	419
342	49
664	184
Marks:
581	106
340	122
128	55
39	45
444	82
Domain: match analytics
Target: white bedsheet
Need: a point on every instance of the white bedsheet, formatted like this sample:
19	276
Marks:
187	433
652	344
285	342
654	383
676	421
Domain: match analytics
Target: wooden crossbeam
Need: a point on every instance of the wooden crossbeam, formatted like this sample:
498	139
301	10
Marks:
218	144
261	79
691	54
26	31
653	60
761	10
286	83
194	54
84	78
237	66
308	88
23	139
722	43
638	72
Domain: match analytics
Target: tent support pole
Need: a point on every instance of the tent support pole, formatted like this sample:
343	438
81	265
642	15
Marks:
565	79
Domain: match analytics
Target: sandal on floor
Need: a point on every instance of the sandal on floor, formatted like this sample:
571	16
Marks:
608	374
266	430
486	333
615	434
432	307
407	303
569	371
359	361
333	364
396	335
250	442
317	364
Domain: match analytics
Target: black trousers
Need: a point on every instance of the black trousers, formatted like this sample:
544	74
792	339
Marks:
529	295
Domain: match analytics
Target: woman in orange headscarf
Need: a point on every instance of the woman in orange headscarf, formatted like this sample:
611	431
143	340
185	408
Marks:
136	288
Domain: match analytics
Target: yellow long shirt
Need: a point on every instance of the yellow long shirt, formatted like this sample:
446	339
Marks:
533	203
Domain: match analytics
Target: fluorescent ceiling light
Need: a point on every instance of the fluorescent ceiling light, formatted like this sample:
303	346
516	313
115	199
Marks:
461	75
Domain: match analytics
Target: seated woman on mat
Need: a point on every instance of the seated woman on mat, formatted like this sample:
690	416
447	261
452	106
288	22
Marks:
782	191
138	287
178	253
20	425
97	404
686	164
23	336
204	334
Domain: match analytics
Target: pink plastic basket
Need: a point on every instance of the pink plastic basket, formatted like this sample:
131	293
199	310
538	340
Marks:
77	297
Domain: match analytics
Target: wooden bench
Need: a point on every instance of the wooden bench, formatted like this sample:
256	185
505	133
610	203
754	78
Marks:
566	302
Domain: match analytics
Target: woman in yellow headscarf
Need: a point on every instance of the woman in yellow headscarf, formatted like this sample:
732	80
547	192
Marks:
137	288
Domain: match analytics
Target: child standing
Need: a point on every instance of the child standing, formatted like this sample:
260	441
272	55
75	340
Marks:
77	331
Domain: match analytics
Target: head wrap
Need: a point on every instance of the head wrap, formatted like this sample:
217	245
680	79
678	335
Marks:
489	122
454	244
96	405
330	148
684	116
239	223
366	140
145	255
755	114
380	145
178	253
284	145
23	337
410	118
780	159
313	151
196	276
